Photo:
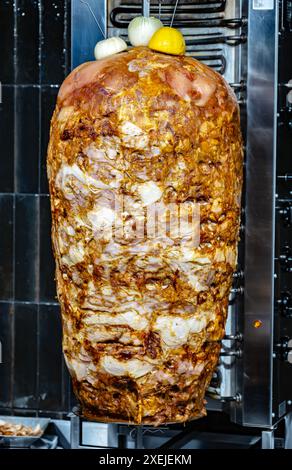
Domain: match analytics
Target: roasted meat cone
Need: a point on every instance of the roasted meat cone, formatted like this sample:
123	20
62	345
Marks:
145	173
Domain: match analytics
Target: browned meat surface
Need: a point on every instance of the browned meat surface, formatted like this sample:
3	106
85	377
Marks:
143	316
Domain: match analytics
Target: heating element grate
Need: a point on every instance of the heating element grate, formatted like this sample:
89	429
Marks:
212	29
191	15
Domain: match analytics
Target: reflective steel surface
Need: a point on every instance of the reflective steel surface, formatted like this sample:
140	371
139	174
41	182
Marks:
260	219
88	26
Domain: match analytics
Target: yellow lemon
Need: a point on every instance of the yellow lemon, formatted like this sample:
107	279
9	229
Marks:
168	40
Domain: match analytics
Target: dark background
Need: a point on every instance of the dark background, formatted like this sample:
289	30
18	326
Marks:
34	59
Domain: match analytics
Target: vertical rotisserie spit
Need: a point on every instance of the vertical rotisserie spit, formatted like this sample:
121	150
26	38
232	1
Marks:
143	305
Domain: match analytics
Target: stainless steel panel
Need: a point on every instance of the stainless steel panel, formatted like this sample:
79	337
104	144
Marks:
260	221
268	440
230	366
88	25
74	431
288	431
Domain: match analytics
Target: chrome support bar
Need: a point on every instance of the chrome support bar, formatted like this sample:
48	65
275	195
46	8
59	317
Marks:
74	431
238	275
268	439
257	404
237	290
236	337
238	86
146	8
285	177
237	353
237	398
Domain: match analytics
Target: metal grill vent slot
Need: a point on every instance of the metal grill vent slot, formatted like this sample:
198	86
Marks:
186	14
120	18
212	29
212	39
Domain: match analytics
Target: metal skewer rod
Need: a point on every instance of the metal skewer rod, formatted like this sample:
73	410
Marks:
94	16
237	353
146	8
173	14
235	337
237	398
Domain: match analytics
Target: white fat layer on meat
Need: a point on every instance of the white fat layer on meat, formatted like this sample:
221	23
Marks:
101	217
219	255
143	66
65	113
95	298
101	335
106	290
78	368
149	192
190	254
141	248
181	164
69	230
188	368
111	153
133	367
61	242
66	172
112	251
129	338
134	136
162	376
195	273
196	283
104	154
216	206
175	330
102	162
231	256
94	153
226	254
155	151
104	333
130	318
128	128
75	254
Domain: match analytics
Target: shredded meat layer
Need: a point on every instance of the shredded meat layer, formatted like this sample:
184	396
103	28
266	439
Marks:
143	316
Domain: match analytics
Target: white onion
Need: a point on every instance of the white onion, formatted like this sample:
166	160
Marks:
141	30
108	47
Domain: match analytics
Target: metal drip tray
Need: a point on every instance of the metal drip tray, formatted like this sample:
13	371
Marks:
45	442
